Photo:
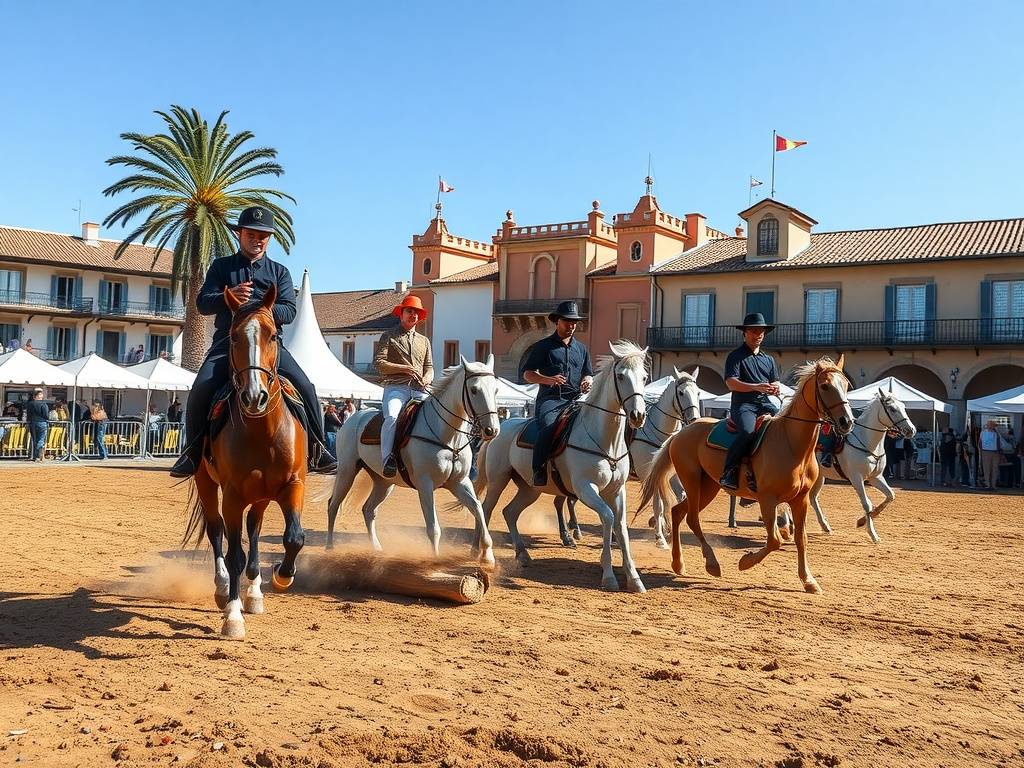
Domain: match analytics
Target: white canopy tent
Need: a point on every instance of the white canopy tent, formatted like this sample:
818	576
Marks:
515	395
163	375
21	367
725	401
655	389
1007	401
307	345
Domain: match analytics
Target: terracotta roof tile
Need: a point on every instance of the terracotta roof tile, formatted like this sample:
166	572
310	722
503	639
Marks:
58	249
607	269
357	310
929	242
482	273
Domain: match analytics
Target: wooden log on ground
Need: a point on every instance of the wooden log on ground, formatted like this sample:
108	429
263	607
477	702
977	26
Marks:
452	581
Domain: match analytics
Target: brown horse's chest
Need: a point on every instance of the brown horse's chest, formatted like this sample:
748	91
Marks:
257	460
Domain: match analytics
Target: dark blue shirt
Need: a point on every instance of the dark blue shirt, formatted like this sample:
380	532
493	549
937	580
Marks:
37	410
550	357
749	368
229	271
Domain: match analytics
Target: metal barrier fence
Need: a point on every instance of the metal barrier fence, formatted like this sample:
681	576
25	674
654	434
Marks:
167	439
120	438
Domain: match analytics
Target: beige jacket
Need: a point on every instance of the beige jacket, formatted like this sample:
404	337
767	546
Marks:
401	347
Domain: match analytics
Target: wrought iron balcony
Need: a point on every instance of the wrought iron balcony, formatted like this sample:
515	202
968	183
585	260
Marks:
879	334
141	309
511	307
72	305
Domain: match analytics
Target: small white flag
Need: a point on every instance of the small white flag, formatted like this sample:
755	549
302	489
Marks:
755	183
444	186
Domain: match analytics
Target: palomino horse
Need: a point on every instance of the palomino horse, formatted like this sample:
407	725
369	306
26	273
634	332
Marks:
784	466
438	454
594	465
862	459
259	456
678	404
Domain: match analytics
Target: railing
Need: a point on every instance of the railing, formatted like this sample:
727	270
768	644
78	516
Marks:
969	332
542	231
141	309
120	438
14	440
68	303
536	306
167	439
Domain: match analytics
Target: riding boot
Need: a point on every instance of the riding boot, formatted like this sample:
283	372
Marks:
390	468
730	479
321	461
826	459
540	477
188	462
751	480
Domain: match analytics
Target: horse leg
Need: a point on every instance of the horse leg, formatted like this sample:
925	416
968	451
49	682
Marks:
799	507
589	495
563	532
633	582
378	493
207	490
290	500
814	495
426	492
679	511
574	524
658	505
465	493
768	505
233	627
525	496
858	484
732	512
879	482
343	480
253	602
708	490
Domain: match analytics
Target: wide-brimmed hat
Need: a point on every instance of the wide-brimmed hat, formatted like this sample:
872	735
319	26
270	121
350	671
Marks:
567	310
410	302
755	320
255	217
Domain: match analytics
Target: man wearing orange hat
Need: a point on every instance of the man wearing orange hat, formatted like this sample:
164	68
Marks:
406	368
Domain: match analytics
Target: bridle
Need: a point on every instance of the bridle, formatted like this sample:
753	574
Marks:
273	378
613	461
894	425
467	403
679	415
819	404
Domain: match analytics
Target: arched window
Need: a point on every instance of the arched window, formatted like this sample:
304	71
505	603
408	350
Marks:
636	251
768	236
426	266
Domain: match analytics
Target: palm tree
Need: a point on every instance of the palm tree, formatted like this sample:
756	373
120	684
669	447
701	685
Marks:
190	177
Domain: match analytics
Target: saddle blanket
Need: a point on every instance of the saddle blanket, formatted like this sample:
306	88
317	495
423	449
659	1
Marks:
723	434
530	433
221	409
403	428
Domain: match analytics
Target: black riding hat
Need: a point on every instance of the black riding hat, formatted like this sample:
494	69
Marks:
567	310
755	320
255	217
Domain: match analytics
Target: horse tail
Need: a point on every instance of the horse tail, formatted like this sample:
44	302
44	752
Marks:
196	527
358	493
658	479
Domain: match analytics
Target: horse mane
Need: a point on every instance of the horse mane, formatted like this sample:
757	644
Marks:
623	351
438	387
805	371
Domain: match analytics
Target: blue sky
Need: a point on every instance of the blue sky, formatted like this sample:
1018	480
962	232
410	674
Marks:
912	111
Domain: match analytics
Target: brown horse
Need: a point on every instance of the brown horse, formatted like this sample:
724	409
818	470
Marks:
259	456
784	466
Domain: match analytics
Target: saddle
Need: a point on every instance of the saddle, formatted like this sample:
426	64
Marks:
723	434
220	410
403	427
530	433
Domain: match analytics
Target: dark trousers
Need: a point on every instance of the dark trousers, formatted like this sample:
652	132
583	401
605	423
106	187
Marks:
949	469
37	432
215	372
548	412
745	416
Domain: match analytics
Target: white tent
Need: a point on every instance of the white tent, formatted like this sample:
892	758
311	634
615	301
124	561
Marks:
914	399
163	375
93	371
511	395
21	367
1007	401
656	388
725	401
306	344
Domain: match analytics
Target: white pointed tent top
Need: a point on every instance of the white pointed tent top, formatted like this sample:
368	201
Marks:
93	371
656	388
913	399
306	344
21	367
1007	401
164	375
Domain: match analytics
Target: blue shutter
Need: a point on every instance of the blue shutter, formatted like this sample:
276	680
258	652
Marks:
50	342
986	310
78	292
99	343
148	348
711	319
121	337
152	304
929	311
104	296
53	290
890	314
73	343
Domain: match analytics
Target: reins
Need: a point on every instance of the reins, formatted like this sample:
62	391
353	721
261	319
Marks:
273	384
467	403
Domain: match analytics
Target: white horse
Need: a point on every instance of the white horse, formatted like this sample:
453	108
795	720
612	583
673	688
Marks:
862	460
438	454
593	467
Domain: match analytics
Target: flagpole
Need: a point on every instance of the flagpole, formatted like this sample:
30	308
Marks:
438	203
750	191
773	165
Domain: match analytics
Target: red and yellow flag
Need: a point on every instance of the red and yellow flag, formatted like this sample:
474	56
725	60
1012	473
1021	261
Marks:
782	144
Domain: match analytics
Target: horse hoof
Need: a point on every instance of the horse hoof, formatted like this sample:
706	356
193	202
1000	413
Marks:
862	522
568	543
661	544
486	560
523	558
280	583
875	539
221	600
253	605
330	545
636	586
678	568
747	561
610	585
713	569
785	533
811	587
233	629
577	534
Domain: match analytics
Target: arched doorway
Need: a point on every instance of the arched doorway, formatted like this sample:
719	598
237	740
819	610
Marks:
995	379
710	380
924	380
520	349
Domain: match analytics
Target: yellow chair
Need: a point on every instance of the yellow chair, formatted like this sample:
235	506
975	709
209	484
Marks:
15	439
55	440
171	440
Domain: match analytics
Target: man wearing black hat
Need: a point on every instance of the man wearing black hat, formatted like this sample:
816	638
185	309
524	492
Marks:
249	274
752	376
561	368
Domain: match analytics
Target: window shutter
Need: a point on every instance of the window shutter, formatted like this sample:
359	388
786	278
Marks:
50	341
104	295
121	337
73	343
929	311
711	319
152	304
53	288
78	292
149	345
890	314
986	310
99	343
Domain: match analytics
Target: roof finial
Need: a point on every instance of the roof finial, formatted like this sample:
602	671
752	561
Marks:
438	207
649	179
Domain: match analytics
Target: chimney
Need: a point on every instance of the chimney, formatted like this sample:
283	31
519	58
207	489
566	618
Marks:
739	231
696	229
401	286
91	234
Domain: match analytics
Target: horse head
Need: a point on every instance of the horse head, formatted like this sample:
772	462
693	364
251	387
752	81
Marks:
896	412
686	395
629	373
253	351
830	388
479	395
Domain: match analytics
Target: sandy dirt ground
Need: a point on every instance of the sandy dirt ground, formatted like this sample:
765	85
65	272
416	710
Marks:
913	656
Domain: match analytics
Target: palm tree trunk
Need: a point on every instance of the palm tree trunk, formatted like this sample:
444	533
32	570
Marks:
195	339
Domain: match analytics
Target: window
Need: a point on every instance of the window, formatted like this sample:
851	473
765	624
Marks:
62	291
159	299
821	312
9	331
348	353
60	343
159	343
1007	309
768	236
911	312
483	350
11	281
451	353
697	318
636	251
763	302
113	297
426	266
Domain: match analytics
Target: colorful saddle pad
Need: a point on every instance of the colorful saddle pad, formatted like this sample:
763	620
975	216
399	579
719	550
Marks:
530	433
723	434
